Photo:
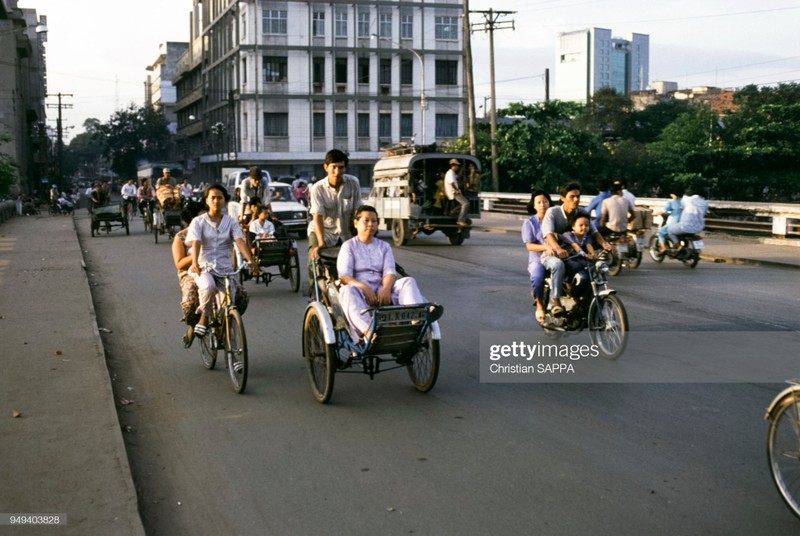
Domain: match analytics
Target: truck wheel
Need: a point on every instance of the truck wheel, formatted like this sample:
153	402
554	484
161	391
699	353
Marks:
399	232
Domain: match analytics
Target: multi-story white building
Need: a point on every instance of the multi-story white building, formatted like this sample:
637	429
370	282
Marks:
591	59
159	91
280	83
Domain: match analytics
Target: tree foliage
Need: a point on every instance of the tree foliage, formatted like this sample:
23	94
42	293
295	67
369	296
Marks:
132	135
8	168
751	152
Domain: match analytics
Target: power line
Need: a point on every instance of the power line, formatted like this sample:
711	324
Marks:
679	19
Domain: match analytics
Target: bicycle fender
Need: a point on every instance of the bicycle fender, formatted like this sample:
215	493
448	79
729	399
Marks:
327	324
436	333
792	390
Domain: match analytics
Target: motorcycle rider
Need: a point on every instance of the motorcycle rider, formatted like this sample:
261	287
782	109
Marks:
616	212
671	213
554	224
693	217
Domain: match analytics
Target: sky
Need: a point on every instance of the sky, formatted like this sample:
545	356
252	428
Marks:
97	50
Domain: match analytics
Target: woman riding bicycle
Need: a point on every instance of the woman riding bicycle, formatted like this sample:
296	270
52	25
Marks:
211	237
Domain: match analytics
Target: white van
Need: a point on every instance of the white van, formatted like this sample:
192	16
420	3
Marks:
234	179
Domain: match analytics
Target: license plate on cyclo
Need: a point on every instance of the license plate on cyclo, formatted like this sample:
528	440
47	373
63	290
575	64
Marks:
402	315
698	244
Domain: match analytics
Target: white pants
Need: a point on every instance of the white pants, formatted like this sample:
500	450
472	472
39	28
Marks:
208	288
404	292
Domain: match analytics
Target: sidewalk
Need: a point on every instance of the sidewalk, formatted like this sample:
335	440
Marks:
60	438
718	247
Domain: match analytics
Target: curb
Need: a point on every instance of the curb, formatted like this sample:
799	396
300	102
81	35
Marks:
119	442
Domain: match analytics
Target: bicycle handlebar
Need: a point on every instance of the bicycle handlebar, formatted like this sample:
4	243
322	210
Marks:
213	271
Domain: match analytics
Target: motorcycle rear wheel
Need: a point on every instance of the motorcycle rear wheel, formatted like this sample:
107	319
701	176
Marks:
655	250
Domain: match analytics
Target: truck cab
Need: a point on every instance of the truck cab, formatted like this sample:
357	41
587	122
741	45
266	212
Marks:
408	193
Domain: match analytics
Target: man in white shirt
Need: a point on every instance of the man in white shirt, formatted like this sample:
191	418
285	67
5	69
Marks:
128	193
453	192
186	189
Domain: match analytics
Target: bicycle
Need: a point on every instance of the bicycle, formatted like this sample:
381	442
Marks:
147	217
226	330
783	444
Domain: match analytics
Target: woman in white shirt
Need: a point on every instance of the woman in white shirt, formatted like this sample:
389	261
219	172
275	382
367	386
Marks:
211	237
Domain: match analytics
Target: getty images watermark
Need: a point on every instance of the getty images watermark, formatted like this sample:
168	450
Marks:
647	357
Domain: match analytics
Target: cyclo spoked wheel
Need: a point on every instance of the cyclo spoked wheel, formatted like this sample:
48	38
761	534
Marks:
783	450
424	366
208	349
320	357
294	272
236	351
608	326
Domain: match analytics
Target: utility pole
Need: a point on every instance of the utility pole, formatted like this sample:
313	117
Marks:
491	23
60	136
470	80
547	85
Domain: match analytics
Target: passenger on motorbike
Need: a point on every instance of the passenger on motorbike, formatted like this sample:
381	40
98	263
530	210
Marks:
581	243
537	248
556	223
693	217
671	213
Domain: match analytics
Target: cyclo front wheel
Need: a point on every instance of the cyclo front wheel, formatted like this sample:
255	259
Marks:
783	449
608	326
236	350
320	357
424	366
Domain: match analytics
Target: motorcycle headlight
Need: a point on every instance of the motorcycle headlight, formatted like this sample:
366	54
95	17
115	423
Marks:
601	267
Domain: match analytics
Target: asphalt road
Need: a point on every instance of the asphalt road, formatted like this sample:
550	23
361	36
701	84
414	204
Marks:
467	458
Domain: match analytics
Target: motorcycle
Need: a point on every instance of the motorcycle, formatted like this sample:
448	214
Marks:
626	250
597	308
687	250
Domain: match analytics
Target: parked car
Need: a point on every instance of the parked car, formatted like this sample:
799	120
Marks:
293	215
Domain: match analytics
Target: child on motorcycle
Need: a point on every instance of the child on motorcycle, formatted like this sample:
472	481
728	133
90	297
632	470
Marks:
579	241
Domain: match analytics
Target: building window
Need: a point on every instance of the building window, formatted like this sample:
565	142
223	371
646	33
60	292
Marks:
446	72
273	21
340	128
385	125
341	71
244	71
406	71
275	68
363	125
318	70
406	26
446	28
243	32
363	24
319	125
385	71
363	70
277	124
385	25
245	126
318	24
446	125
406	125
341	24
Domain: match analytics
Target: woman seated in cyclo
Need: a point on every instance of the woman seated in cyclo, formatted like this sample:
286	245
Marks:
211	238
261	228
366	269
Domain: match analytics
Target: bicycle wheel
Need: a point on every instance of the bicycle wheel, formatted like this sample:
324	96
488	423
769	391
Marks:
320	357
294	272
424	366
146	220
236	350
208	349
783	449
608	326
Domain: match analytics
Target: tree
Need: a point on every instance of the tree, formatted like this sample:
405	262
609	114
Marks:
132	135
84	153
8	168
607	115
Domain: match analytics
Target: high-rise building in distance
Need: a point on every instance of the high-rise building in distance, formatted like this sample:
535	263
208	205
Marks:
591	59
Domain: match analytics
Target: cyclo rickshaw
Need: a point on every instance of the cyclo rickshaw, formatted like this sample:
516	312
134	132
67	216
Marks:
403	337
111	217
167	215
280	252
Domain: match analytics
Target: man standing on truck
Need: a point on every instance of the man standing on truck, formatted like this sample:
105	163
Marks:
453	192
333	201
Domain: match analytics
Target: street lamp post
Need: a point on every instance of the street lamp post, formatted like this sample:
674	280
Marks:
421	79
